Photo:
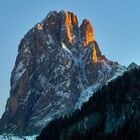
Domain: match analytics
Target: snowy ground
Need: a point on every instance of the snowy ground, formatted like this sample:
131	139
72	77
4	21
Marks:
17	138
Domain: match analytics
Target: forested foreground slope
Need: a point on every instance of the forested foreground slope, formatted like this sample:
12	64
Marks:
113	113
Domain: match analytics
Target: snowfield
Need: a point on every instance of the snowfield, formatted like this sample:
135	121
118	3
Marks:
17	138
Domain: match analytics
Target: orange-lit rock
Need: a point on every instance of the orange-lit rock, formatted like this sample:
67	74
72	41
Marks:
95	58
39	26
70	22
87	32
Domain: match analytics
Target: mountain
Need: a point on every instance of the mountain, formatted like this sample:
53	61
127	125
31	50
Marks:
58	67
132	66
112	113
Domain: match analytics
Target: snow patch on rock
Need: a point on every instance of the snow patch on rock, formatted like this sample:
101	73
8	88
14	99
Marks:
19	70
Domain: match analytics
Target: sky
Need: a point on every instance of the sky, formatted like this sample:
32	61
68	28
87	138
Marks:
116	25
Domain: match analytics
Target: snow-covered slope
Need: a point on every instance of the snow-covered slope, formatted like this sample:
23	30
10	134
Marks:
89	91
58	67
17	138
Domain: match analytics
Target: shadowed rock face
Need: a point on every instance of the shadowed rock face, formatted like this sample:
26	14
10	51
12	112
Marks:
57	61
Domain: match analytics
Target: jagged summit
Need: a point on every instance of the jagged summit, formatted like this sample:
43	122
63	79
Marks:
87	32
58	67
65	23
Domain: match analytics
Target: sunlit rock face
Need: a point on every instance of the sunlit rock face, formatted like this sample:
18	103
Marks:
87	33
58	67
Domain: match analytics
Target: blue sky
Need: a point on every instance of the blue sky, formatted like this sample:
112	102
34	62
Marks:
116	25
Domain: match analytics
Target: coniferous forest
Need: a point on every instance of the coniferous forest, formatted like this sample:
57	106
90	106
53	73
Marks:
112	113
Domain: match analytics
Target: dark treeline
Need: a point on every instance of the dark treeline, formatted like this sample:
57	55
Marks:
121	96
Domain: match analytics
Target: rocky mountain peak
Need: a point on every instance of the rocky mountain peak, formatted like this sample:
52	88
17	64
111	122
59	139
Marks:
62	26
87	32
70	18
132	66
54	72
69	27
